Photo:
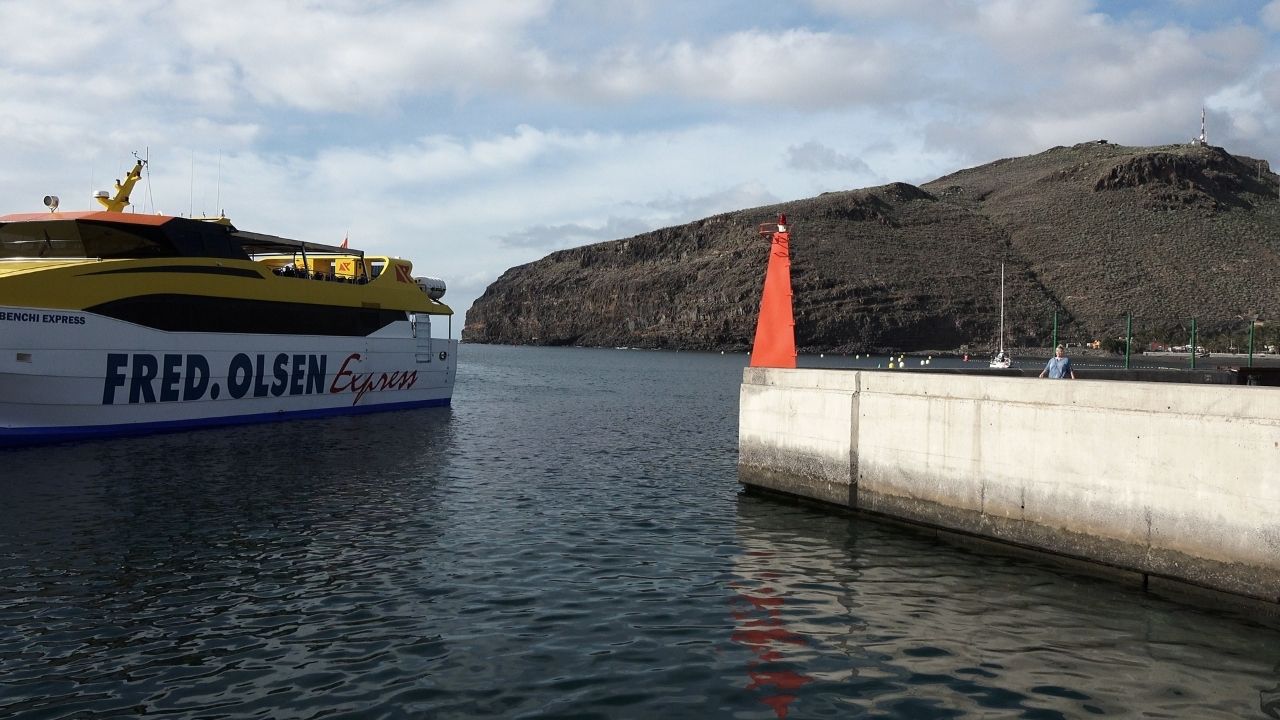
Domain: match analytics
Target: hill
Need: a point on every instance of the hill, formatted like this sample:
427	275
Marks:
1090	232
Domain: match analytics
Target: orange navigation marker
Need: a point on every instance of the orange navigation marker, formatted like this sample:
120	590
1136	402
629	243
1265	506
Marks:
775	343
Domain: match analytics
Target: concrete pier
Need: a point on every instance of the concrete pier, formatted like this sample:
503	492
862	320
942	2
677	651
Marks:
1177	481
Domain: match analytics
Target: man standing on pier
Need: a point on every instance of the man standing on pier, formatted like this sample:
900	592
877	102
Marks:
1059	365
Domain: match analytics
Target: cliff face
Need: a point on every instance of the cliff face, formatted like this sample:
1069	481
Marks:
1091	231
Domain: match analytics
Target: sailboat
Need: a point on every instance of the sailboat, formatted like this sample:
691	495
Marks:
1002	359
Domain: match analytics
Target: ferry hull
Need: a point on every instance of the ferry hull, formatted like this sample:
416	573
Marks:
72	374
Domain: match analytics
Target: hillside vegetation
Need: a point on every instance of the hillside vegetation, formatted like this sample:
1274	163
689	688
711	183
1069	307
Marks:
1091	232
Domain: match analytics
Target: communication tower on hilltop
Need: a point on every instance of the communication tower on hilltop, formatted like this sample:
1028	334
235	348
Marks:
1203	140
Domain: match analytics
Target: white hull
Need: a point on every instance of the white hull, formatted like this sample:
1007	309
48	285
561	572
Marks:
72	374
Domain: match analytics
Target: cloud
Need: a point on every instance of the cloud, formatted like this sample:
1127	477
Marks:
737	197
81	32
816	157
793	68
1153	66
452	160
1270	16
925	11
1065	74
353	57
472	135
547	237
1269	88
1042	29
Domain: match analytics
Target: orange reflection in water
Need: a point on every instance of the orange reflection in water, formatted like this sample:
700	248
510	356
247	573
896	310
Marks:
761	628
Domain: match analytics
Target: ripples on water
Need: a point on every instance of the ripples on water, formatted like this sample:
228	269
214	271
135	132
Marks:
568	541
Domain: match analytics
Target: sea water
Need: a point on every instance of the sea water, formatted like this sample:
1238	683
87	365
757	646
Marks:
569	540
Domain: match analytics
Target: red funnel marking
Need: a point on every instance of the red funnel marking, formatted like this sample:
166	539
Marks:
775	344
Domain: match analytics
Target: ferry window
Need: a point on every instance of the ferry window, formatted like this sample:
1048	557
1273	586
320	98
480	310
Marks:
40	240
106	241
63	239
378	267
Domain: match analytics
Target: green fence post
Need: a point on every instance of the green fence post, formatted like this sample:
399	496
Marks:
1193	343
1128	338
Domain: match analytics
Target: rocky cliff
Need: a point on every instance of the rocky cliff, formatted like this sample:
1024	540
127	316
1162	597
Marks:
1091	231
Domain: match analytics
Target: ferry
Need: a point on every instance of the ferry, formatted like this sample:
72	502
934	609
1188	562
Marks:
123	323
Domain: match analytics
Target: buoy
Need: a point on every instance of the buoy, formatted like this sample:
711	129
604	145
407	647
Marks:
822	355
775	342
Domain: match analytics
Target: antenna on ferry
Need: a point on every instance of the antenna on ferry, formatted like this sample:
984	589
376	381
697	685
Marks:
121	199
219	196
151	203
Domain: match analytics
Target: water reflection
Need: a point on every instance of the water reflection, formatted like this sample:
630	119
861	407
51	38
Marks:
760	625
568	541
197	572
885	620
1269	700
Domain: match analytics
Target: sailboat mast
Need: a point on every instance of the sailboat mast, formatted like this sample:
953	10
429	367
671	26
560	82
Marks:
1002	308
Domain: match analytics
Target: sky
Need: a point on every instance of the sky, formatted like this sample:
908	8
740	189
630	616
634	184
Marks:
471	136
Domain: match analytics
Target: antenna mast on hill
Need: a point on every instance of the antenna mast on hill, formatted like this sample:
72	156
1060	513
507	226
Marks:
1203	140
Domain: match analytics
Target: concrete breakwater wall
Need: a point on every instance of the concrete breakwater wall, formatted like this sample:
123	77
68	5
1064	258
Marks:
1171	480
